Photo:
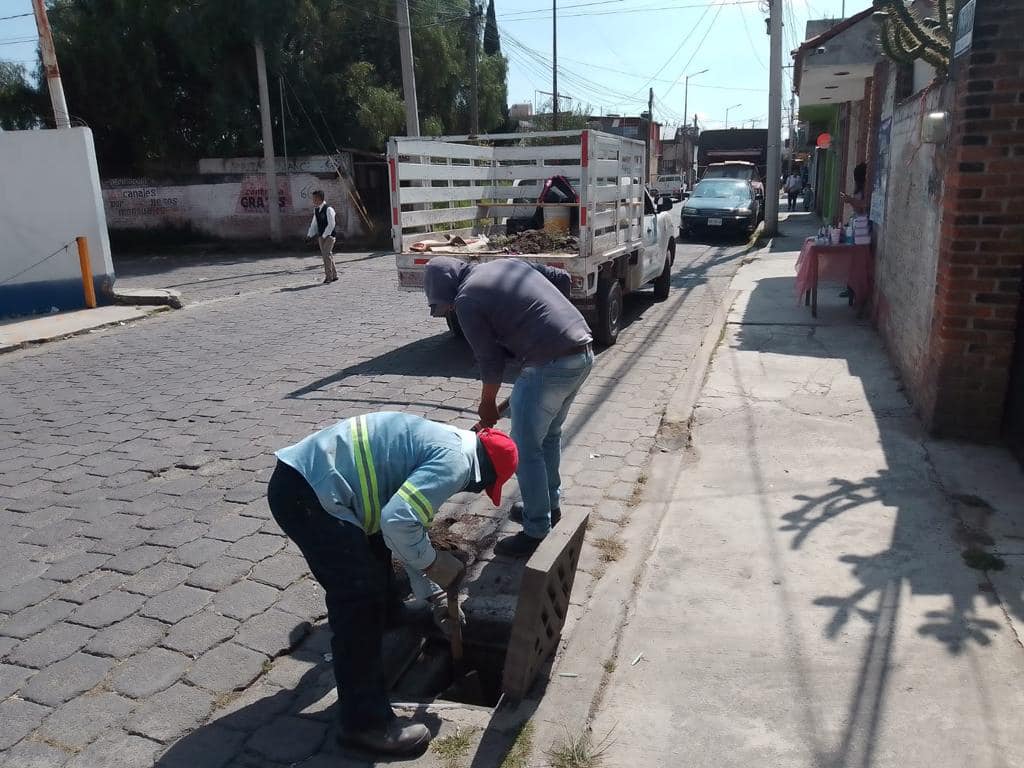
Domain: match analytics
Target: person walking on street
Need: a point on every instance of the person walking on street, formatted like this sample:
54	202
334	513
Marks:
322	228
794	184
509	308
350	495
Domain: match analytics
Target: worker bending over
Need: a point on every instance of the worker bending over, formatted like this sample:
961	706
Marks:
349	496
510	308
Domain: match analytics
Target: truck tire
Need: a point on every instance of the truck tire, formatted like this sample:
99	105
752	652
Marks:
663	282
453	325
609	312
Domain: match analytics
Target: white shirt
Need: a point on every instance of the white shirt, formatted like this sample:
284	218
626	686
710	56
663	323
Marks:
314	231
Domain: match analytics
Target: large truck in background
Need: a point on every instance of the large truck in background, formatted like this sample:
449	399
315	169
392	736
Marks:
746	145
471	196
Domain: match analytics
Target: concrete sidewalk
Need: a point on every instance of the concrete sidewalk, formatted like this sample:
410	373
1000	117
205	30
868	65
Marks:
18	332
806	601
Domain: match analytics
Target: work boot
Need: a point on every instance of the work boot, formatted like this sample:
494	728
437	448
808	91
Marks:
515	514
519	545
397	738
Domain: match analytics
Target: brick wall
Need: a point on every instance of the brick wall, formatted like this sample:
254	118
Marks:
907	236
981	253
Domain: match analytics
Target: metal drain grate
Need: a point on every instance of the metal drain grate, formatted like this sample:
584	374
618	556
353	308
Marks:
543	603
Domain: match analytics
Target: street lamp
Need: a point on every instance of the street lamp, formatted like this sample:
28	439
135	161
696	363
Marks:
686	95
727	109
686	119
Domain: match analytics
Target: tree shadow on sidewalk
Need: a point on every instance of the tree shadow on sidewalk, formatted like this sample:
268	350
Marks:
923	556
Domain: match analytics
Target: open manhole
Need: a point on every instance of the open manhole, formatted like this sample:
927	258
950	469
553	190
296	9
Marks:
507	659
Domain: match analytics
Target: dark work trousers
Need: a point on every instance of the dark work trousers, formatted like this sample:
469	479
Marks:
355	571
792	200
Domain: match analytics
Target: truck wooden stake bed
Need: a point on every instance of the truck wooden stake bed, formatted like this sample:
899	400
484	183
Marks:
457	194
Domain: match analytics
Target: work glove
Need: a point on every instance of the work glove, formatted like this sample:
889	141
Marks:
447	571
439	608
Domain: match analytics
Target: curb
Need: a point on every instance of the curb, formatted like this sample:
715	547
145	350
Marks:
568	702
149	311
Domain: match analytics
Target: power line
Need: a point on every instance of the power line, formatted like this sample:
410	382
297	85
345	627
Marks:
676	51
696	51
753	48
17	16
630	10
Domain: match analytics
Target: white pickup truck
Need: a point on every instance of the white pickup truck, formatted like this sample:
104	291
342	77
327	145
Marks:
469	186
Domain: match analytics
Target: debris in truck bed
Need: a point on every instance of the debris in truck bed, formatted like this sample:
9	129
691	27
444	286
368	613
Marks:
535	241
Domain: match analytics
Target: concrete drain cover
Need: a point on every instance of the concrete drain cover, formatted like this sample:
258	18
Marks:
543	603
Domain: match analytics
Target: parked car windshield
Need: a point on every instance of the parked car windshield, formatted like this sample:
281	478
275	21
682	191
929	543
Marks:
730	172
669	178
721	188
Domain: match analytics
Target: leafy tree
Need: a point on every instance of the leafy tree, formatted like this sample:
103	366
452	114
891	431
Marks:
492	41
21	105
165	82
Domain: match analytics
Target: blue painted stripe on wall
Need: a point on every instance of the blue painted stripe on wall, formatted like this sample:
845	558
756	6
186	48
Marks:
40	297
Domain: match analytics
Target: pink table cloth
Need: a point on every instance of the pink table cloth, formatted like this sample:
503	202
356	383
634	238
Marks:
850	265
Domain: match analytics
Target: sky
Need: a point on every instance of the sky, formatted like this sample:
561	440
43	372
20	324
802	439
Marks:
611	51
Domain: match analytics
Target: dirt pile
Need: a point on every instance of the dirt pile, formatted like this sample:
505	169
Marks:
536	241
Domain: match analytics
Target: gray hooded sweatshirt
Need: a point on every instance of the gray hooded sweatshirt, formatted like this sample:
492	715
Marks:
508	308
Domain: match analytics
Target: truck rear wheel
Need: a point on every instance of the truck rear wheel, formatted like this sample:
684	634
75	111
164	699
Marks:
453	325
663	282
609	312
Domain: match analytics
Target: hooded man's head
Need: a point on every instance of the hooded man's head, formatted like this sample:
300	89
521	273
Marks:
441	280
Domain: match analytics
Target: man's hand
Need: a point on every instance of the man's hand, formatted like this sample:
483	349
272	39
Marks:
488	413
439	609
447	571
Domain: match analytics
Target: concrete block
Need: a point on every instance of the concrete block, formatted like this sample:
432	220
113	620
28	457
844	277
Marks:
176	604
232	527
91	585
304	598
148	673
209	747
36	618
272	632
254	707
117	749
11	678
177	535
75	566
66	679
199	633
157	578
127	638
137	558
20	718
280	570
169	715
219	573
288	739
228	667
245	599
77	723
104	610
31	592
256	547
199	551
51	645
34	754
544	596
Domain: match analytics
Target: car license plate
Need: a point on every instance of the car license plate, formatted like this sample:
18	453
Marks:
714	222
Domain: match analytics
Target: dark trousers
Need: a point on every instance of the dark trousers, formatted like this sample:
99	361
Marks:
355	571
792	200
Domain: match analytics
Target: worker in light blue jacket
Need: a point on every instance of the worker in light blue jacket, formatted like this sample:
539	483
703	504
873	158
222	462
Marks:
349	496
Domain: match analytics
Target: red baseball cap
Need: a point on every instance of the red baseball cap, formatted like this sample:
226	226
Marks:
504	458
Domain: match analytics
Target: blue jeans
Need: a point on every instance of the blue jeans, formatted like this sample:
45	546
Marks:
540	402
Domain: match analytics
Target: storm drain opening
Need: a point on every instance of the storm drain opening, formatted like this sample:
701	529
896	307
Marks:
505	656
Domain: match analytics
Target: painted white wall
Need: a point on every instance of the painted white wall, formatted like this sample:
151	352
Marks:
49	194
227	209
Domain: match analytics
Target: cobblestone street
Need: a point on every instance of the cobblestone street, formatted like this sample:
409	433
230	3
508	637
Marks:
144	586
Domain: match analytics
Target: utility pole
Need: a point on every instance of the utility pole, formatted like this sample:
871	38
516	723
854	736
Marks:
647	135
554	65
771	183
727	111
474	67
268	143
792	134
61	117
284	136
412	112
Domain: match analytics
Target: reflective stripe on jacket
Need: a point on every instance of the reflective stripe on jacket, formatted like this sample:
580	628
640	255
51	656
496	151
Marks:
387	472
